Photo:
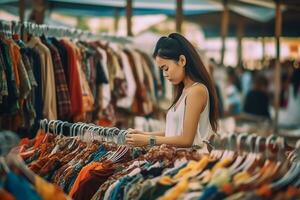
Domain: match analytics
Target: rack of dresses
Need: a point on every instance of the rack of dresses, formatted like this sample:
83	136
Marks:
244	166
17	181
68	74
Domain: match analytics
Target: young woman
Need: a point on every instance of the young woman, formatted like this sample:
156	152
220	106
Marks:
192	117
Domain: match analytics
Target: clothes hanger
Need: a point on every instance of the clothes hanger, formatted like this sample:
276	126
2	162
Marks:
296	158
242	152
251	143
239	159
259	155
281	163
55	130
71	135
16	161
4	165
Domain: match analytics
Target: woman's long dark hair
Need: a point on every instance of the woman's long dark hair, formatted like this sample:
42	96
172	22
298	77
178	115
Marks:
172	47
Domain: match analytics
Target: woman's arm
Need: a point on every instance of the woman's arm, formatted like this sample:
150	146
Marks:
154	133
195	104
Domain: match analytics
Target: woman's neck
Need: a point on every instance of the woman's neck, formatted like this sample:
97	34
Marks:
187	82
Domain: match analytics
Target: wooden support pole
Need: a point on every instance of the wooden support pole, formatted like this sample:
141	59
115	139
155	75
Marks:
116	20
263	44
21	10
129	17
38	11
278	31
224	29
240	34
179	15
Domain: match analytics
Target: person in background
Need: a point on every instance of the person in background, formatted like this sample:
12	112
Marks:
291	116
233	96
192	117
246	79
257	100
212	66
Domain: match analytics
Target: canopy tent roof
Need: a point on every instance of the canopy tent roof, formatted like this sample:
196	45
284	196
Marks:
142	7
257	15
211	25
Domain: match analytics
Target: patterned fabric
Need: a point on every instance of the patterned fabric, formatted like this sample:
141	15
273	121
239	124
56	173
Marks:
62	91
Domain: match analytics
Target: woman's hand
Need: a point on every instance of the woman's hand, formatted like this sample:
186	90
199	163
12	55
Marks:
137	139
135	131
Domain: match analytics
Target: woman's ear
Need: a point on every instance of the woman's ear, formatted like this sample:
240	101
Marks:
182	61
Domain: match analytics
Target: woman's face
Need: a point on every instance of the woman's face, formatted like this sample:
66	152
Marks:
172	70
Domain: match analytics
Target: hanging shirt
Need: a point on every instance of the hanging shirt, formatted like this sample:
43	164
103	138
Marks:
62	91
291	117
48	82
127	101
20	188
74	83
49	191
175	119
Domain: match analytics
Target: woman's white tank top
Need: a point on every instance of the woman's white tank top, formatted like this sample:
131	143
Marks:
175	118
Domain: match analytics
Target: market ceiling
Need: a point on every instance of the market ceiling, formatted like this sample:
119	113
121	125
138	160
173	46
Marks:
207	13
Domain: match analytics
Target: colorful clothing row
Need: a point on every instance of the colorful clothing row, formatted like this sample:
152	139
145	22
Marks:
85	171
74	81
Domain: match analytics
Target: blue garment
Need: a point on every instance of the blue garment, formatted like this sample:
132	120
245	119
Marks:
208	192
20	188
70	180
101	151
117	191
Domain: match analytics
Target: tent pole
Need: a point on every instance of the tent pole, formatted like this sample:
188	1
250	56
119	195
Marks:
263	44
224	29
278	31
21	10
129	17
179	16
240	33
116	20
38	11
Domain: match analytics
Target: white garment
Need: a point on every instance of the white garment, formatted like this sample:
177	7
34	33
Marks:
126	102
48	80
175	119
291	116
106	93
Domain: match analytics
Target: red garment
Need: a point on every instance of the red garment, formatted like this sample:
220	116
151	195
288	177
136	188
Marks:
4	195
85	173
74	84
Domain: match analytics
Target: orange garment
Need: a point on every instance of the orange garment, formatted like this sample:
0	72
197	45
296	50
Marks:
291	192
15	55
227	188
87	96
264	191
48	191
39	138
4	195
74	83
219	165
83	174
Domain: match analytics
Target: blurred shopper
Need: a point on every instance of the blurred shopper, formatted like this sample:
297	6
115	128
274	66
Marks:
291	116
257	100
233	96
212	66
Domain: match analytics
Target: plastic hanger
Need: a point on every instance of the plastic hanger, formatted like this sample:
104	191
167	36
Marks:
72	128
4	165
240	158
248	158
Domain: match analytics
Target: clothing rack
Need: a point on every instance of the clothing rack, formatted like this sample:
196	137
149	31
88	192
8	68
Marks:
254	144
11	27
8	140
58	127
